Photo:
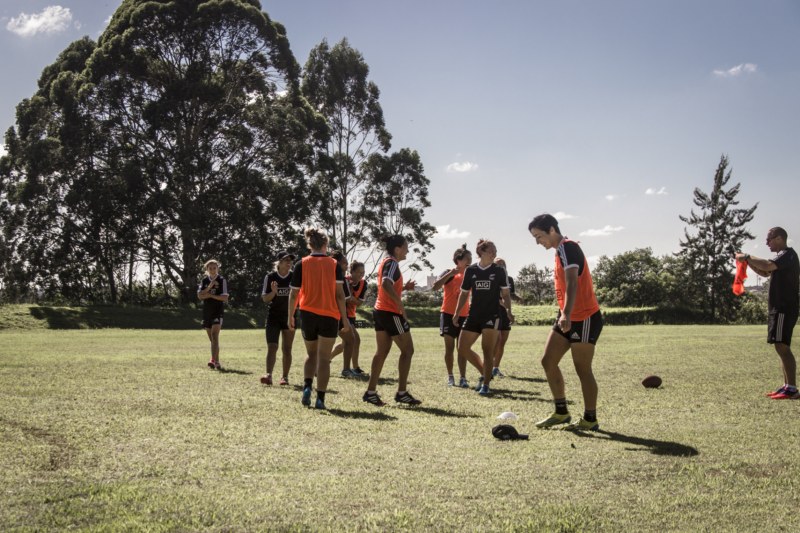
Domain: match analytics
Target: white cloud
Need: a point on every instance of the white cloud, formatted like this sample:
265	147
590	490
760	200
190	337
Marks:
660	192
52	19
602	232
444	232
738	70
561	215
466	166
3	150
611	197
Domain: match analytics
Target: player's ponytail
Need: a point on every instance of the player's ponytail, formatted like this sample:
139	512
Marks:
391	242
316	239
461	253
483	245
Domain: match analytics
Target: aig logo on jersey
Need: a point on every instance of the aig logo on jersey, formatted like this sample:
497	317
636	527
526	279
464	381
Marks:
284	291
483	285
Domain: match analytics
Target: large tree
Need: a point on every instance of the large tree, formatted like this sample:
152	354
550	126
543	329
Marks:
712	236
181	135
368	191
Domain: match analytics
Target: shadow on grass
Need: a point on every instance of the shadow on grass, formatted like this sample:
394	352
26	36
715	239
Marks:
656	447
226	370
362	415
529	380
522	395
436	411
330	391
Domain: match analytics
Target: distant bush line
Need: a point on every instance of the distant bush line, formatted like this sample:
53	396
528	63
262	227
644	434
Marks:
21	316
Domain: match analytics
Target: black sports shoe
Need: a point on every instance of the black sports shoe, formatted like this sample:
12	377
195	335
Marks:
406	398
374	399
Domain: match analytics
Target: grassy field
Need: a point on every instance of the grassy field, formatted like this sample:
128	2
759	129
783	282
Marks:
115	430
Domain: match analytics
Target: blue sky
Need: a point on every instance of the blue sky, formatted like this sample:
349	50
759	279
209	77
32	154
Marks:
607	114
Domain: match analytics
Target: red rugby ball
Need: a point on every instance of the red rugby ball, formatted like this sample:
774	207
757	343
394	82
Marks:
652	382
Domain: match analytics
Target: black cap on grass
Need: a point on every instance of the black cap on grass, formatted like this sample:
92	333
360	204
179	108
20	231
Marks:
507	432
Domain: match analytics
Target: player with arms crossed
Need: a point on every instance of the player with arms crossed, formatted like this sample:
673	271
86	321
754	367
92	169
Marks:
783	304
450	281
488	283
577	326
391	323
213	291
317	279
275	293
357	285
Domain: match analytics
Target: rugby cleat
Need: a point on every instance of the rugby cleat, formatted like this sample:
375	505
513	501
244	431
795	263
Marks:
583	425
553	420
406	398
374	399
306	399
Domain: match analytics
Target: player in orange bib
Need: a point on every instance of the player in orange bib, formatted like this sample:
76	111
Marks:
391	323
577	326
450	281
317	280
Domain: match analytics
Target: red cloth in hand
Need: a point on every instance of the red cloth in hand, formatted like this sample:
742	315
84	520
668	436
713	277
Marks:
741	275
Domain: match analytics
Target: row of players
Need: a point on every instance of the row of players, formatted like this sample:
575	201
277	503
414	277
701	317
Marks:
316	285
477	303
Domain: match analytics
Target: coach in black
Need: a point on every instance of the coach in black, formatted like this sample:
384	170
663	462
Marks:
784	304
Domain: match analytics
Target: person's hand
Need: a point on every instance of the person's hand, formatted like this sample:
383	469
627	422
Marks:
455	320
564	323
742	258
510	316
345	326
274	286
291	322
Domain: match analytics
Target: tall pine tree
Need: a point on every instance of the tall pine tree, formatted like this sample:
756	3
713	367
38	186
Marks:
712	237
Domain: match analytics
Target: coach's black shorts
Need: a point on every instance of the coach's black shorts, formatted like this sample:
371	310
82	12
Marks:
505	322
587	330
446	326
314	326
212	320
391	323
478	324
780	327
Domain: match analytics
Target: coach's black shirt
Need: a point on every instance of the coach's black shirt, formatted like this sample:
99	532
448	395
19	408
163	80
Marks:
784	283
485	284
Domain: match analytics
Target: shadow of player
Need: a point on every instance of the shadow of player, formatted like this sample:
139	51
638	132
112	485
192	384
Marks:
656	447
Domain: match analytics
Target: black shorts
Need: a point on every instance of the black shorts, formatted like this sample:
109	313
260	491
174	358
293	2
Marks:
477	325
350	319
587	330
780	327
505	322
273	329
446	326
213	320
314	326
392	323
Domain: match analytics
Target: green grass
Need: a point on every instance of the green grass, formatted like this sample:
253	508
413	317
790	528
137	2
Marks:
113	430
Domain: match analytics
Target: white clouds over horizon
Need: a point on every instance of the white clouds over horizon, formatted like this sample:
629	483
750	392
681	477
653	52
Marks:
561	215
602	232
611	197
52	19
466	166
444	232
659	192
738	70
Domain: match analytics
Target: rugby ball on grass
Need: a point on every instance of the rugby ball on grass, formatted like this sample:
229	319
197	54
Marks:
651	382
